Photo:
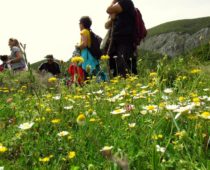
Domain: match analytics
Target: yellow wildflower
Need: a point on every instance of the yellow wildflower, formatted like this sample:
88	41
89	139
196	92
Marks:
195	71
2	148
156	137
77	59
56	121
45	159
71	154
196	100
24	87
181	99
52	79
105	57
92	120
205	115
181	134
81	119
153	74
48	110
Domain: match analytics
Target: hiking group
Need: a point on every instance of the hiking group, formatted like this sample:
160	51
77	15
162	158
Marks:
125	31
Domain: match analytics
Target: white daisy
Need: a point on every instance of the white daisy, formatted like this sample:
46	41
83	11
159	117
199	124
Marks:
118	111
68	107
168	91
132	125
26	125
172	107
63	133
57	97
106	148
160	149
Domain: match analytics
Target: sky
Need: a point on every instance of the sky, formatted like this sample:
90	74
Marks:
52	26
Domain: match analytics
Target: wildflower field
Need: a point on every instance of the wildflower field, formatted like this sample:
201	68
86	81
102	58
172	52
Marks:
156	120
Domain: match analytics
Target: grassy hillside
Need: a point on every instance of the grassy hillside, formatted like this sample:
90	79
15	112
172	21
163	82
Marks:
36	65
185	26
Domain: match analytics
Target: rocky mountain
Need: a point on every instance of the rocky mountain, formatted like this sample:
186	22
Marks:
177	37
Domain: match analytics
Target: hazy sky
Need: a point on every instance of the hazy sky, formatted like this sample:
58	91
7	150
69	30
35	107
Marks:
52	26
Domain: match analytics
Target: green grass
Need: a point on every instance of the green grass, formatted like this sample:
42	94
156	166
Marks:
183	26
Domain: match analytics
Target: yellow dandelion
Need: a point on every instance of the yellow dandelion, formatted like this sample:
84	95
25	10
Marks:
92	120
181	99
52	79
45	159
153	74
81	119
71	154
105	57
2	148
150	107
48	110
196	100
205	115
195	71
77	59
55	121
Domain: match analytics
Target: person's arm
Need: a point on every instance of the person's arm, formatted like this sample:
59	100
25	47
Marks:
108	24
114	8
18	57
84	42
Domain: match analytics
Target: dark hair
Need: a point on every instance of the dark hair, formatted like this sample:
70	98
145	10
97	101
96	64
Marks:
4	57
86	21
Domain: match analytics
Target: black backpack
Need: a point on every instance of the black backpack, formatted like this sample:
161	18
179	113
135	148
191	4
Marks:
95	45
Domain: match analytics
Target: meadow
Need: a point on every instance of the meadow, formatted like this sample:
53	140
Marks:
156	120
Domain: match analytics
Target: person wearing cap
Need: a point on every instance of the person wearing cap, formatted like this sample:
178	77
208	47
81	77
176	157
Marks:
50	66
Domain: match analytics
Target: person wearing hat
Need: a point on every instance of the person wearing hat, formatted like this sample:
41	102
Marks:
50	66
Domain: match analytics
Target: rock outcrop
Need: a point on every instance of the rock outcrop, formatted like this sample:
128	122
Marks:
174	43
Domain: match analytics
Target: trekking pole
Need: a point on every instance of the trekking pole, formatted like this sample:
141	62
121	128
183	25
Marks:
108	51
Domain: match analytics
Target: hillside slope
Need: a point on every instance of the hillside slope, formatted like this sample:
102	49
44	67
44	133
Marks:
177	37
189	26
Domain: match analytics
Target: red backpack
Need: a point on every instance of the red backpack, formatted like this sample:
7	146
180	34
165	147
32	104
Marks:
140	29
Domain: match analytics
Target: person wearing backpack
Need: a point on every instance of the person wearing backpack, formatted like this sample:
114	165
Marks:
122	59
91	63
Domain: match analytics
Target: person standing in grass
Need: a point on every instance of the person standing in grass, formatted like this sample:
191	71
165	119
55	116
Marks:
90	64
122	19
16	59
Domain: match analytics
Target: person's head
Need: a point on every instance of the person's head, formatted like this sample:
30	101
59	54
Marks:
49	58
85	22
4	58
13	42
